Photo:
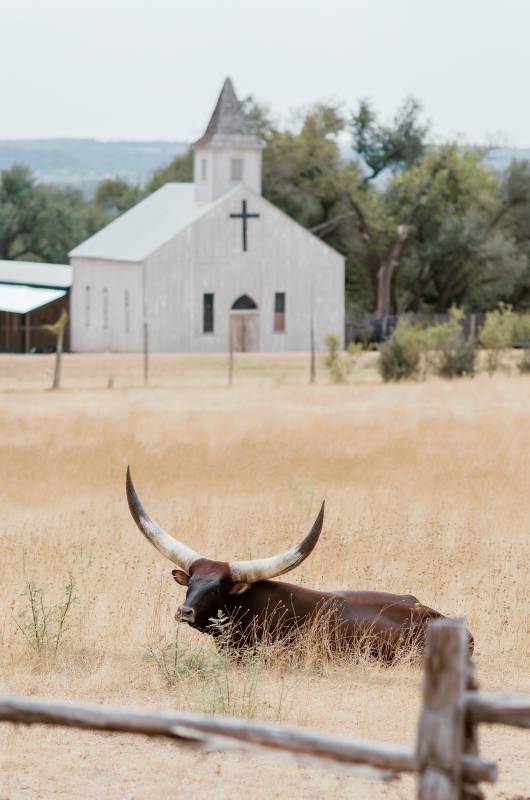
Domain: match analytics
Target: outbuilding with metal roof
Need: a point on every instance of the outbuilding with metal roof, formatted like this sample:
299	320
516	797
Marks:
32	294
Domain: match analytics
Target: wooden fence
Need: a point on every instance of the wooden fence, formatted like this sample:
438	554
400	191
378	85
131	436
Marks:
446	759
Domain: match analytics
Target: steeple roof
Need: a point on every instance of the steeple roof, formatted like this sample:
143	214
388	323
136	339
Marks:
228	123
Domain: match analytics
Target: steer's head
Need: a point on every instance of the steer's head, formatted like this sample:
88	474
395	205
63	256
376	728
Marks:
210	584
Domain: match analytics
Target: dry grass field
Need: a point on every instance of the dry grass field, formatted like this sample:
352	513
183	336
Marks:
427	490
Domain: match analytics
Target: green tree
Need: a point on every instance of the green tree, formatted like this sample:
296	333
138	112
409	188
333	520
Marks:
59	225
304	173
385	217
395	146
116	195
19	210
43	223
514	210
180	170
37	222
462	251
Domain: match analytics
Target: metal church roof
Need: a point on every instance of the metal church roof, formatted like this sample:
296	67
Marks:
133	236
21	299
33	273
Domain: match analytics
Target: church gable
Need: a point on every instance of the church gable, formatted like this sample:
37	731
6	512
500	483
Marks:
245	270
244	224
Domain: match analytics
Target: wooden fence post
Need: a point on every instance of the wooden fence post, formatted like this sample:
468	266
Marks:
473	326
27	332
57	330
470	790
58	357
230	354
312	366
441	738
146	354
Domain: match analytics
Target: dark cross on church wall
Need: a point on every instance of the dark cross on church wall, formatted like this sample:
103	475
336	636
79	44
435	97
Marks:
244	216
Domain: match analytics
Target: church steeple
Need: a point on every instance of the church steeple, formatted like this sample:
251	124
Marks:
228	121
229	152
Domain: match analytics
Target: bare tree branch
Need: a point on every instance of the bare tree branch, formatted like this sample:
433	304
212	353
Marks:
326	227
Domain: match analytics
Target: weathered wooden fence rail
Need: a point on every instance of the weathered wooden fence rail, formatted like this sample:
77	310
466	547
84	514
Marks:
498	707
446	759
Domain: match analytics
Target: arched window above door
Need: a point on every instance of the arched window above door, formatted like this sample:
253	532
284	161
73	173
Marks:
244	303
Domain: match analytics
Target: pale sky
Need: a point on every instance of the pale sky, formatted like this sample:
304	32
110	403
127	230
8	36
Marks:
152	69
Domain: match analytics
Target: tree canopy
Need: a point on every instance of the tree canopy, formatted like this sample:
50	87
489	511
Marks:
42	223
423	227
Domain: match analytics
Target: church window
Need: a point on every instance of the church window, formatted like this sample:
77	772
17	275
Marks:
204	169
127	311
279	312
207	313
87	306
105	308
237	169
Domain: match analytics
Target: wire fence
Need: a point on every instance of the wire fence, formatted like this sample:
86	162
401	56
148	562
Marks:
364	327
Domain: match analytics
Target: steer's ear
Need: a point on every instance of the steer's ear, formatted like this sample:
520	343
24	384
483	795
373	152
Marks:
239	587
180	577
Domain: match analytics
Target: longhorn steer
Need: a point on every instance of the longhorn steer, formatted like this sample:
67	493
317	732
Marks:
258	607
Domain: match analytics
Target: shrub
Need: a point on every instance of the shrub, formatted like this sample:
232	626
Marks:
496	335
365	336
400	356
175	662
451	355
340	364
459	360
524	364
44	623
521	330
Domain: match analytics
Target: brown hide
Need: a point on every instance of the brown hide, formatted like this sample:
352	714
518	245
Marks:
274	610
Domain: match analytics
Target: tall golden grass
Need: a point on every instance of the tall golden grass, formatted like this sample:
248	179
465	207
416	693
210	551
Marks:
427	492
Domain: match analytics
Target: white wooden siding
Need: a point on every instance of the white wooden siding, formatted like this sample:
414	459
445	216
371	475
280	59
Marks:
208	257
116	277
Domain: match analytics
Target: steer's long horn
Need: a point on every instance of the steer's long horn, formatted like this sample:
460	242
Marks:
261	568
171	548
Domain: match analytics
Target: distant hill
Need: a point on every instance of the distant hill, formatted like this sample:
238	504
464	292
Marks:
84	162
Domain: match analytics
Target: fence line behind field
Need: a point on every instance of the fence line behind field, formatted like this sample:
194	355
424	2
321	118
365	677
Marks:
446	761
361	326
124	371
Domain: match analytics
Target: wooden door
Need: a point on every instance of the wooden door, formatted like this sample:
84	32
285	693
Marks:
244	328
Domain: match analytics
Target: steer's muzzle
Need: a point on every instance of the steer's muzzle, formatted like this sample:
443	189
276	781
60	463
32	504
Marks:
185	614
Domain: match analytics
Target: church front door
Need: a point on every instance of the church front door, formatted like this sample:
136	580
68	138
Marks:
244	326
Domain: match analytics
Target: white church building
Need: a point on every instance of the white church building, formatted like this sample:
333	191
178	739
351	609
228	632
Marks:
201	262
